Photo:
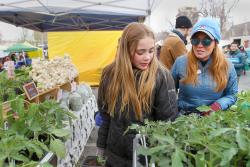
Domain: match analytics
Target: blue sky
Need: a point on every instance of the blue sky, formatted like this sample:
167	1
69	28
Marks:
162	14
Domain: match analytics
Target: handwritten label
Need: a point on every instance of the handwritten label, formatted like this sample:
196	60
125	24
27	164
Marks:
30	90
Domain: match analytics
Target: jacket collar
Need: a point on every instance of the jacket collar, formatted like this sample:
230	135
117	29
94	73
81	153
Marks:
180	35
234	52
209	61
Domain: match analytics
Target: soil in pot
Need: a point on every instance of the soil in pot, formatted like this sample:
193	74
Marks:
91	161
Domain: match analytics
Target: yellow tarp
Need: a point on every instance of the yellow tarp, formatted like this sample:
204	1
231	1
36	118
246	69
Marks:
36	53
90	51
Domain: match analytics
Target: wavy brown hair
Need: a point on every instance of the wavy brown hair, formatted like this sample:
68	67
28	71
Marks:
124	87
218	69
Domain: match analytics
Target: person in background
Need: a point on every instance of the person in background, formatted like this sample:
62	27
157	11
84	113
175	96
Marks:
226	49
5	60
237	58
28	60
204	76
20	62
158	51
134	87
13	57
242	50
174	44
246	44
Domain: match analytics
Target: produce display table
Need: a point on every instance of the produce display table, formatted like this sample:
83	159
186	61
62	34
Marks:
80	131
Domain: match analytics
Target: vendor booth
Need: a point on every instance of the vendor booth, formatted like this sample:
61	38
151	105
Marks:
84	34
32	51
90	51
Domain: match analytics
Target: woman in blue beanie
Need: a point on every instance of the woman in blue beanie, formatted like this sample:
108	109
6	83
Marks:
204	76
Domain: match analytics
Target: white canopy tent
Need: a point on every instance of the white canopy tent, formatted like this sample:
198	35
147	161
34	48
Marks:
58	15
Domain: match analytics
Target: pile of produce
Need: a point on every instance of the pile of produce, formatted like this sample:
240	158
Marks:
221	139
75	100
47	74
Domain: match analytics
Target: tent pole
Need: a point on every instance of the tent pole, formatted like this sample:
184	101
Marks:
149	11
43	44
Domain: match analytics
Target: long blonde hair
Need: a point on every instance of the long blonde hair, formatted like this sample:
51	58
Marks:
218	69
123	87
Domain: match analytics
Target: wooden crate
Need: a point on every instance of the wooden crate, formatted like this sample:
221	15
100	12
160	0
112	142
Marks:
6	106
67	86
48	95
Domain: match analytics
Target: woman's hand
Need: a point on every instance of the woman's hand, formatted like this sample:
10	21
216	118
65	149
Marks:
214	107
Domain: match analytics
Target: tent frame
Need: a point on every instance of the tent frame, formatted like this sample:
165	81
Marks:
56	19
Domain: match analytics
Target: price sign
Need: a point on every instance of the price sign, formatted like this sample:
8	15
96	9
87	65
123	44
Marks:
30	90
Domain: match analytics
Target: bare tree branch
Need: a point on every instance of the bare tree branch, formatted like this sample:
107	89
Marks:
218	9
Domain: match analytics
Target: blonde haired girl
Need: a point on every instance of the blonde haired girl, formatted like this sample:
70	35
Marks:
133	88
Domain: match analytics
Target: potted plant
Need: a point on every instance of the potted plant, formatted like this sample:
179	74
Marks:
94	161
28	133
221	139
10	88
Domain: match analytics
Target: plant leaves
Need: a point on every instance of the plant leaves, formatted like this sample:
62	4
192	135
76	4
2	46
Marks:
142	150
200	159
219	132
162	138
203	108
35	126
60	132
1	115
35	148
245	106
46	164
19	157
156	149
248	163
241	140
164	162
2	155
57	147
42	145
1	162
228	155
176	159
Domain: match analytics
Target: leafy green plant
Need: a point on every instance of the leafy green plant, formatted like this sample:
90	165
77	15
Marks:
101	160
29	132
94	161
12	87
221	139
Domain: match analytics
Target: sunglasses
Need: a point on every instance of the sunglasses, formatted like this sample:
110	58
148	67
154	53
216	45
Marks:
205	42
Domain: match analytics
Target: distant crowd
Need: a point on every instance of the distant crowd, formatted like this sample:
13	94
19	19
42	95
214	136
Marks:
19	59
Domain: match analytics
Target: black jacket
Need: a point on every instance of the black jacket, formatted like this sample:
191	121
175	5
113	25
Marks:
119	146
